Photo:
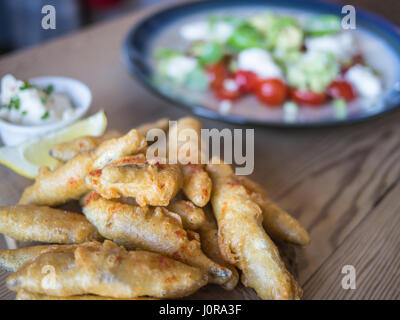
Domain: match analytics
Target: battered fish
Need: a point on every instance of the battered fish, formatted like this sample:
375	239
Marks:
209	244
192	217
153	229
152	184
65	183
243	241
107	270
26	295
67	150
12	260
196	182
279	224
43	224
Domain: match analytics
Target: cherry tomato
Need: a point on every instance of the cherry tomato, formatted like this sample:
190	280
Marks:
271	91
246	80
223	92
217	73
341	89
310	98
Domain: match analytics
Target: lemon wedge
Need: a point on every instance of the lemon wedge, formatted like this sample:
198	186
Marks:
28	157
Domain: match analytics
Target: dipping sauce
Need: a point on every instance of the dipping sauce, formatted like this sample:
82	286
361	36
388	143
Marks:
24	103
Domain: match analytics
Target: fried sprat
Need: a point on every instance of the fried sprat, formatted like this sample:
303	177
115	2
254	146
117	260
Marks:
65	183
107	270
150	183
153	229
196	182
192	217
279	224
67	150
243	241
43	224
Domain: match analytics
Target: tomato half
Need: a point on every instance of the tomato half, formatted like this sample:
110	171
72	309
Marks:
271	91
313	99
341	89
223	92
217	73
246	80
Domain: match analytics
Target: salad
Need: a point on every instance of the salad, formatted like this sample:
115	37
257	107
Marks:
283	61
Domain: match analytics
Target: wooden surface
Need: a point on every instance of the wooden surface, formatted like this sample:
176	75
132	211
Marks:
342	183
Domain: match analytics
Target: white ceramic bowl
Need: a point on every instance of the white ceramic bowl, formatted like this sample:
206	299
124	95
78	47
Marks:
77	91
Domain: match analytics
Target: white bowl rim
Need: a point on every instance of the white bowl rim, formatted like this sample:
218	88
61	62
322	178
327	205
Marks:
80	111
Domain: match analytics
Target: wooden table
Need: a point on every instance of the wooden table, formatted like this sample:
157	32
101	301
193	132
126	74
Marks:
342	182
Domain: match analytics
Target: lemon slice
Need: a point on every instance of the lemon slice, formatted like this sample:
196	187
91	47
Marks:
28	157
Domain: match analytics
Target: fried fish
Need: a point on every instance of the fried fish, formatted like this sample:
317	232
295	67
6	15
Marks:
243	241
153	229
53	188
44	224
107	270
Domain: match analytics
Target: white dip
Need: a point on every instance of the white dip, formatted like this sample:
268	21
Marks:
23	103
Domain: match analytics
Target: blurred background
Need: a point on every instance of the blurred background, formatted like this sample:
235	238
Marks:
20	20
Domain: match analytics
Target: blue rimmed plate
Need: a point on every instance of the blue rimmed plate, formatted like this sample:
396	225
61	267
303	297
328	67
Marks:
378	38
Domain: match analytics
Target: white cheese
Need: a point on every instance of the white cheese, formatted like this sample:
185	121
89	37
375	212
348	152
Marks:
341	45
363	79
260	62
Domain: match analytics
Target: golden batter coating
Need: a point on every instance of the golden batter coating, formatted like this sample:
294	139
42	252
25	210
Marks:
65	183
279	224
192	217
209	244
44	224
243	241
107	270
196	182
150	183
67	150
153	229
27	295
12	260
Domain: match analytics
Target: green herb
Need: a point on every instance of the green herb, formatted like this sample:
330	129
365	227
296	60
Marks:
44	100
45	115
15	103
26	86
49	89
24	112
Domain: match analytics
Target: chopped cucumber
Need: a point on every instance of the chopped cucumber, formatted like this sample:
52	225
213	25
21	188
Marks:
208	52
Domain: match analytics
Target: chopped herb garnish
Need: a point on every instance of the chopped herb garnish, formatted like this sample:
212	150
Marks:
45	115
24	112
44	100
49	89
26	86
15	103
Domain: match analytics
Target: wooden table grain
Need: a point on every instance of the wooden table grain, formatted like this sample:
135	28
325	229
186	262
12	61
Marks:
342	183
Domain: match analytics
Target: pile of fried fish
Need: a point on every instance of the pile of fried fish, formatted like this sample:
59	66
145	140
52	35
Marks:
149	230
